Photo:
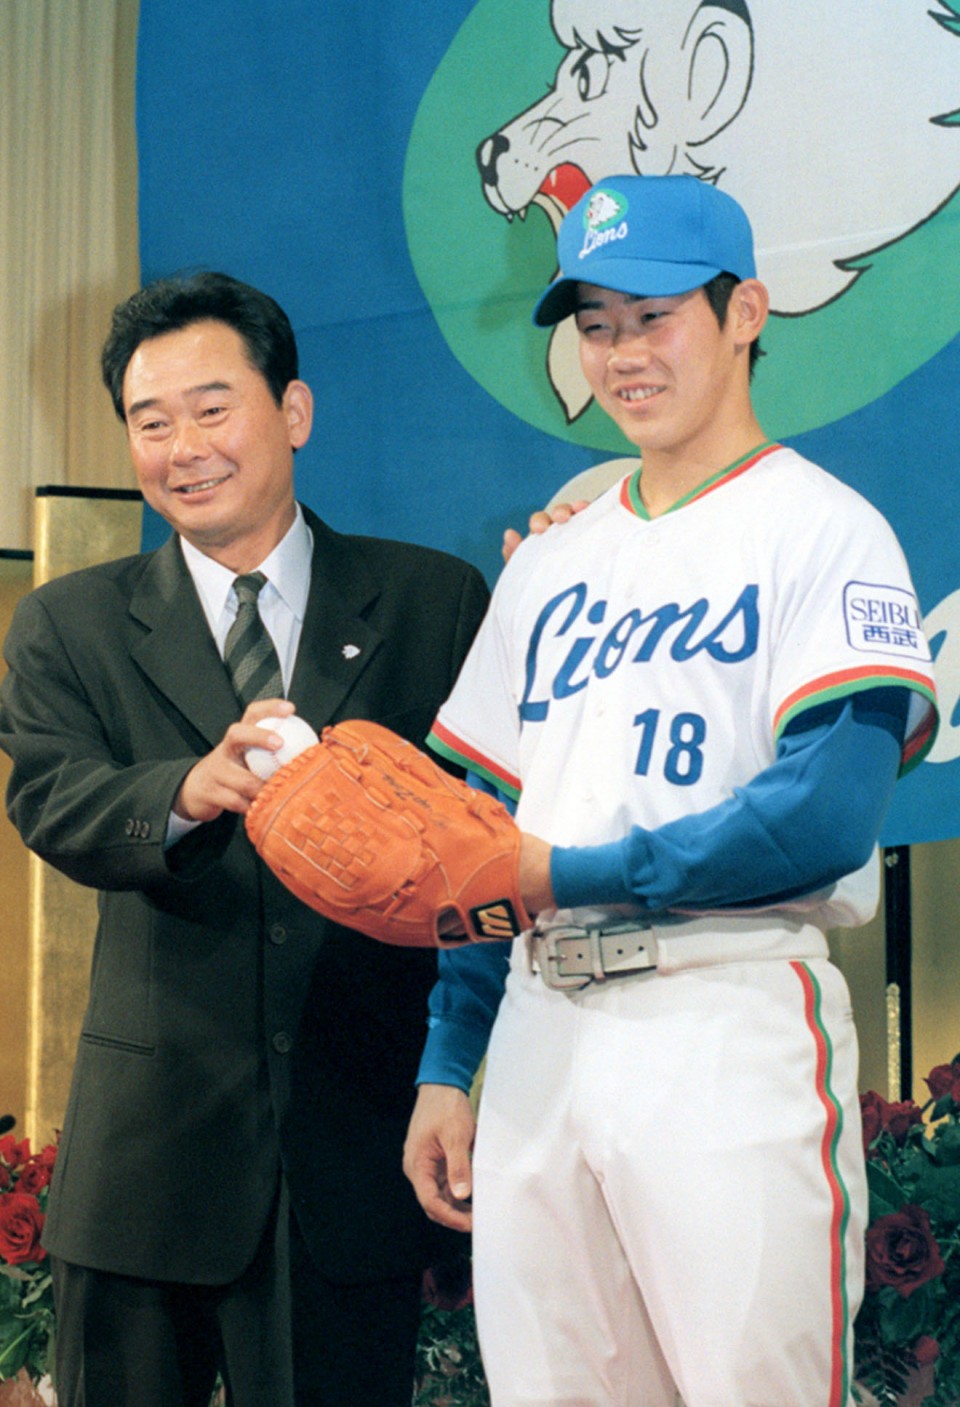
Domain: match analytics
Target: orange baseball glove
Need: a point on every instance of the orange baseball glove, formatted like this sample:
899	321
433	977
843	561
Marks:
371	833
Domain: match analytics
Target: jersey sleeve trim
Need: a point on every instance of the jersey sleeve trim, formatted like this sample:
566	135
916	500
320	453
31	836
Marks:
448	745
844	682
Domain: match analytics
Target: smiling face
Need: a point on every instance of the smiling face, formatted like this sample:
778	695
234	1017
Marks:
673	380
212	450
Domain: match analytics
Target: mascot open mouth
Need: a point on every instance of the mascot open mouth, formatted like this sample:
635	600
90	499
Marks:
560	191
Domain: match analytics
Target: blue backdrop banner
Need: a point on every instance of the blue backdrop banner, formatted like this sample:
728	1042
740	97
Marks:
395	174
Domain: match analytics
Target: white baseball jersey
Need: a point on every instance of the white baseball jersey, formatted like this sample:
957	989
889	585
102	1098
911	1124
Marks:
632	671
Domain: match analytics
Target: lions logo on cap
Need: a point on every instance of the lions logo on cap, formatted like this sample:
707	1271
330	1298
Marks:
603	220
604	208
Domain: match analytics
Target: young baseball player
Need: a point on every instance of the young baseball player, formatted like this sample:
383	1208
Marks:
700	693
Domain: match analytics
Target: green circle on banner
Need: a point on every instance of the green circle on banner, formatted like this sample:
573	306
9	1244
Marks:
481	274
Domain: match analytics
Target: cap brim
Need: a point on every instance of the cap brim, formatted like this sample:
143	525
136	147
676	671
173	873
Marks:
641	277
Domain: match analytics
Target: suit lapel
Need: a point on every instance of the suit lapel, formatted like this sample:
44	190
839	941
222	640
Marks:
337	644
179	656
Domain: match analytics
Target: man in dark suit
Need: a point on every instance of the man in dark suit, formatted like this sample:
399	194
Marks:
245	1070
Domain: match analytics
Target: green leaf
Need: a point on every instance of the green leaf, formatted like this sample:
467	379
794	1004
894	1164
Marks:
947	1145
886	1194
43	1285
14	1351
938	1189
903	1317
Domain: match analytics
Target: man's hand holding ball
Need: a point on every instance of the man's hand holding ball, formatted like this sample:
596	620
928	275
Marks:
226	780
288	738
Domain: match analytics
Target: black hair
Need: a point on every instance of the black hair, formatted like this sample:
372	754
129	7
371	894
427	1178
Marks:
718	294
170	304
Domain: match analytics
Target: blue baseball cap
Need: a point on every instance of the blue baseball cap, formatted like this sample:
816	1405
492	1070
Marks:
651	236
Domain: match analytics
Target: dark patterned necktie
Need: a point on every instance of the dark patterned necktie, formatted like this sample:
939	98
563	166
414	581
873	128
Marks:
249	652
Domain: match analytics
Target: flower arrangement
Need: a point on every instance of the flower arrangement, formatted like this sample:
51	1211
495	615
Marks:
910	1317
27	1324
448	1367
449	1372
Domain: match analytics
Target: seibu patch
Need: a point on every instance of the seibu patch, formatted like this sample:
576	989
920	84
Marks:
885	619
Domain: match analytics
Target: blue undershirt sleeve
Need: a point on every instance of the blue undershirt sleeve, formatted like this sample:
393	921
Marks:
809	818
464	1000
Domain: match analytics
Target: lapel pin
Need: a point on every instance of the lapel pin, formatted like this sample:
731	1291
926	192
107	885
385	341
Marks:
350	652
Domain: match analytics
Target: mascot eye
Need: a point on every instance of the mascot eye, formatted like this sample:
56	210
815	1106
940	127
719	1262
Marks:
591	74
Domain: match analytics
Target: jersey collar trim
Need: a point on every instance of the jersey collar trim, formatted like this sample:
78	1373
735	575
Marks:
630	489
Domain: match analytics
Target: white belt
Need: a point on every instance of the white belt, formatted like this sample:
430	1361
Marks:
569	958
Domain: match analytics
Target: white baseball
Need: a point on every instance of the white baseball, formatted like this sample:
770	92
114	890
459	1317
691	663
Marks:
297	736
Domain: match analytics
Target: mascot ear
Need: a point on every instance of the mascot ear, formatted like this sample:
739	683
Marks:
718	50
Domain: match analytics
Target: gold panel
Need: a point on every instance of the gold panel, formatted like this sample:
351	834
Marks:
63	920
76	528
936	957
860	953
73	528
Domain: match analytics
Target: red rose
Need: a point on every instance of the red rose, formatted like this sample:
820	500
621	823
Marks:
925	1350
21	1222
899	1118
945	1079
5	1179
872	1107
14	1154
902	1251
34	1177
46	1157
879	1116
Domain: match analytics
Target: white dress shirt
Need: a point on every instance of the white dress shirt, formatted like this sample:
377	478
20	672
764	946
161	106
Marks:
282	602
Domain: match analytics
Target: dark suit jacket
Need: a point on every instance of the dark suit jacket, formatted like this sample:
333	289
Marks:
228	1025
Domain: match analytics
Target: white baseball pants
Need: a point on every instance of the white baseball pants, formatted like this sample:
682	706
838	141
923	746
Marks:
669	1190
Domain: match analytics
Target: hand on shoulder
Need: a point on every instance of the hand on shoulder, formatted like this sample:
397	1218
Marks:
539	522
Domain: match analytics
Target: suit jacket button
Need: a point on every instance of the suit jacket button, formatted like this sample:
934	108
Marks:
282	1043
145	829
130	826
278	934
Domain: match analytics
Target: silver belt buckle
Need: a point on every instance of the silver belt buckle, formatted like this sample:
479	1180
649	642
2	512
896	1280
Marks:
548	956
571	958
